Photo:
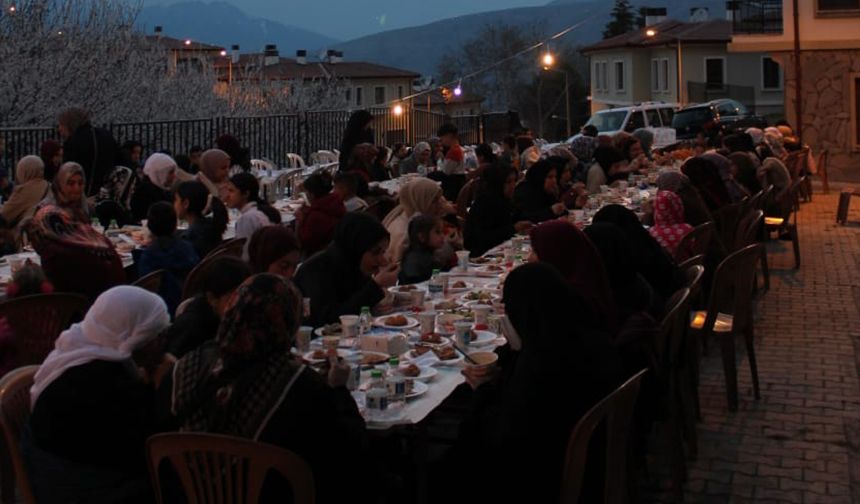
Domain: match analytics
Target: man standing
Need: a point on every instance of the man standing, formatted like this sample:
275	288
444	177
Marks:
93	148
453	165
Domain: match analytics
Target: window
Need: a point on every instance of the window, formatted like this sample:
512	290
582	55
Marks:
619	76
399	91
655	75
771	77
379	95
634	122
667	114
715	73
595	80
653	118
604	70
664	71
349	96
838	7
358	96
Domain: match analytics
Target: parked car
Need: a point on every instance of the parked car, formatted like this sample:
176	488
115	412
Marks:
655	116
714	117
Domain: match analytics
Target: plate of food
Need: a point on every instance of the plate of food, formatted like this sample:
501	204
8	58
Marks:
491	269
396	321
480	338
459	286
483	296
329	330
320	355
373	358
416	372
433	338
447	305
404	289
446	354
485	260
418	388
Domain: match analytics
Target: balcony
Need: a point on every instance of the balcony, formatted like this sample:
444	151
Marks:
757	17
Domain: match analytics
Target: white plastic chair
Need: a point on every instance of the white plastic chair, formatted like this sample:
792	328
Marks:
295	160
262	164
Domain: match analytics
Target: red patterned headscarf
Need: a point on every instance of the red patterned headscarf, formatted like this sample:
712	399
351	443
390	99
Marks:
669	226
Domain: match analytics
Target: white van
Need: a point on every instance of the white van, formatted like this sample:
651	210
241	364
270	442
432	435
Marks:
653	116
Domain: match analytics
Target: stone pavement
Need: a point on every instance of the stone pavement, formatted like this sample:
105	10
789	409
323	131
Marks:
799	443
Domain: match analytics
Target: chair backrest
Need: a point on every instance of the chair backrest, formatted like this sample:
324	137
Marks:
732	288
37	320
192	280
617	410
753	203
673	327
224	469
765	199
726	221
692	261
151	281
295	160
466	196
262	164
696	242
749	230
14	414
788	201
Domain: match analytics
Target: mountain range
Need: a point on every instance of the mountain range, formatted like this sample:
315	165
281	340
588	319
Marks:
418	48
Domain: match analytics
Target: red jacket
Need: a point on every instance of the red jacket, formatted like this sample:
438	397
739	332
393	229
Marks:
317	222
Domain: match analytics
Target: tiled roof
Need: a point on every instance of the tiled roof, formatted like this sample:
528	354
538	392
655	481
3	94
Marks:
714	31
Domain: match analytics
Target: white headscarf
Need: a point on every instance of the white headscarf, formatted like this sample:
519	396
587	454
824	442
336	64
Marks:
120	321
158	167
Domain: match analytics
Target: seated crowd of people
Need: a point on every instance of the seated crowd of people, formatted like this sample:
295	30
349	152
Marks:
138	363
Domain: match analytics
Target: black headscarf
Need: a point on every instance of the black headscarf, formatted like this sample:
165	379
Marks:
650	260
705	176
746	175
354	134
356	233
606	156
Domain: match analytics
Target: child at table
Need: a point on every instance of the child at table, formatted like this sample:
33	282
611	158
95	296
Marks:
346	185
27	281
426	236
168	252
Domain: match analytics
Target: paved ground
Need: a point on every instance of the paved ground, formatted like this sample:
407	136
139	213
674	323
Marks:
799	443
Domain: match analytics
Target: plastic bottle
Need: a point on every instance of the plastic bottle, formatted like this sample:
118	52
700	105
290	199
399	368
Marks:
97	225
435	285
376	398
113	225
396	384
365	321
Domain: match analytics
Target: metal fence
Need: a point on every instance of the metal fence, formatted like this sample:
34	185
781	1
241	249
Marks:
271	137
698	92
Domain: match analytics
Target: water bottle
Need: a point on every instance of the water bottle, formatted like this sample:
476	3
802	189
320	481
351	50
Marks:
396	384
97	225
365	321
435	285
376	398
113	225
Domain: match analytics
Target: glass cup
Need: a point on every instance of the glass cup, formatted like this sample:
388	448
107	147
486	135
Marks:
303	338
482	312
463	259
349	325
428	321
463	333
417	298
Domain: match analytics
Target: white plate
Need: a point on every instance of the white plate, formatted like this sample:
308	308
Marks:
483	338
486	270
410	322
469	286
395	289
382	357
309	356
427	373
319	332
418	388
493	297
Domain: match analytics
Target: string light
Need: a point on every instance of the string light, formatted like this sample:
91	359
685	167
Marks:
397	110
223	53
12	8
650	32
548	60
459	89
187	42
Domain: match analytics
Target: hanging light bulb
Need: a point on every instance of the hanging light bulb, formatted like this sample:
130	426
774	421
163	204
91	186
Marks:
459	89
548	59
397	110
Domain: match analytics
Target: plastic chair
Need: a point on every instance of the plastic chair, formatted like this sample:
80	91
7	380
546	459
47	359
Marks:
726	222
616	410
38	320
295	160
787	203
233	247
749	230
692	261
696	242
14	414
151	281
230	247
466	196
730	312
224	469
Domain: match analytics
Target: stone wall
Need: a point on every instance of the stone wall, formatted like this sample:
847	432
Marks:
826	95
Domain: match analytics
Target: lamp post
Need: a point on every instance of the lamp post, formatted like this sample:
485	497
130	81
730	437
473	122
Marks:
651	33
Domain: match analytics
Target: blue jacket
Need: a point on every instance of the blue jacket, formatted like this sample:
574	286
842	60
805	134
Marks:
174	255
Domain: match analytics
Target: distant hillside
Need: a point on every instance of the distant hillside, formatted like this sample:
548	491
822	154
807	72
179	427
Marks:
419	48
223	24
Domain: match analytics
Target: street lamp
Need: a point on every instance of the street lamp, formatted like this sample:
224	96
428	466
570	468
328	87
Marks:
548	62
651	33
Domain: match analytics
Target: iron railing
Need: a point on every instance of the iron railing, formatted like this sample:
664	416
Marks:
699	92
755	17
270	137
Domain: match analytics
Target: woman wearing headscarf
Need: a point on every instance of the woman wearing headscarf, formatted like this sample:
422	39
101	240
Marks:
669	226
735	191
30	189
275	250
67	193
159	174
350	273
247	384
745	172
94	402
417	161
773	138
75	257
536	197
609	165
51	153
569	250
650	260
695	210
773	172
420	195
510	422
358	131
705	177
646	141
492	218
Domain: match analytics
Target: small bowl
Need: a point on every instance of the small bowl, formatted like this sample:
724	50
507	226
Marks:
483	359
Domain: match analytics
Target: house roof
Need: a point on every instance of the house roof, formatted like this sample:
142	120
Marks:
175	44
289	69
716	31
